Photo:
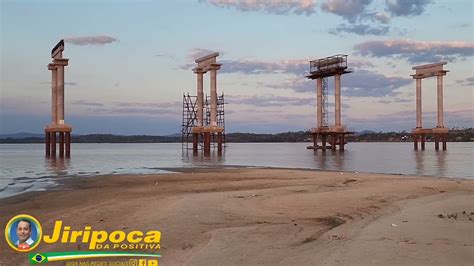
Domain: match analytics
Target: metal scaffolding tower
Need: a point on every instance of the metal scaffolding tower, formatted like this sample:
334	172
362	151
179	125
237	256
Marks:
325	102
190	119
220	116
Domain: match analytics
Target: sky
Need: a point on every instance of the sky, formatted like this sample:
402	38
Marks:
130	62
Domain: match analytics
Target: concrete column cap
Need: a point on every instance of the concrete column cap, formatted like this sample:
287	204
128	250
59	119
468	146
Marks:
215	66
427	75
198	70
197	129
61	61
213	129
440	130
51	66
58	128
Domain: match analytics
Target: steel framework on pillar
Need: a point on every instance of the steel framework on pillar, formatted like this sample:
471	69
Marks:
440	132
189	121
320	70
220	116
325	103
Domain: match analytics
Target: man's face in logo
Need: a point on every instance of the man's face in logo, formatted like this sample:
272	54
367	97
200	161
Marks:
23	231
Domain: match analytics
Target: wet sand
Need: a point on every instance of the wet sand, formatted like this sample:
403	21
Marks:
267	216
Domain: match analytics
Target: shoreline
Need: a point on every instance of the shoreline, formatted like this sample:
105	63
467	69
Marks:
249	215
58	180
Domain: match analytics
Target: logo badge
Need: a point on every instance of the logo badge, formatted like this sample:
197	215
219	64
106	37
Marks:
23	233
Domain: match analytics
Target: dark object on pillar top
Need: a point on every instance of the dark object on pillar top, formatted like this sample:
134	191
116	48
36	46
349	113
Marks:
328	66
58	48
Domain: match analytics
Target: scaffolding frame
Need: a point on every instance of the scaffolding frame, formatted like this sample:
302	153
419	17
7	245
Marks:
328	66
325	102
220	116
189	120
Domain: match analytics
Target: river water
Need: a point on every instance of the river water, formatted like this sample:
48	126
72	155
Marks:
23	167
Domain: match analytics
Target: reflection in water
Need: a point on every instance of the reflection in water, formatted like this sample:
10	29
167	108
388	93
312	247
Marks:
441	161
427	159
215	158
339	159
27	160
330	159
57	165
27	166
321	159
420	167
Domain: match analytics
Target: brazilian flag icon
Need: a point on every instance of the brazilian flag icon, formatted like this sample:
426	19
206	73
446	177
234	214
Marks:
37	258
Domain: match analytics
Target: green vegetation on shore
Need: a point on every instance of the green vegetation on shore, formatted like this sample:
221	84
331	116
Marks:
455	135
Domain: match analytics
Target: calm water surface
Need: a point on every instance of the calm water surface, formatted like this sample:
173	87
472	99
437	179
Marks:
23	167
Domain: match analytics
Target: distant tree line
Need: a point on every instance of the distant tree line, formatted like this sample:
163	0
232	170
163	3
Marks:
300	136
455	135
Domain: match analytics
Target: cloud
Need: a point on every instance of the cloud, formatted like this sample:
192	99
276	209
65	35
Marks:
469	82
299	84
381	17
268	100
417	51
360	29
395	100
90	40
290	66
246	66
195	53
361	83
351	10
86	103
407	7
131	111
137	108
358	64
156	105
297	67
166	56
276	7
463	25
364	83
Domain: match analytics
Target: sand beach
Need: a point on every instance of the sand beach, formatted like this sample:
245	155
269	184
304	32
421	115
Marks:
263	216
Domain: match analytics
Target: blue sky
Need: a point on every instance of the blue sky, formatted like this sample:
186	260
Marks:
130	61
